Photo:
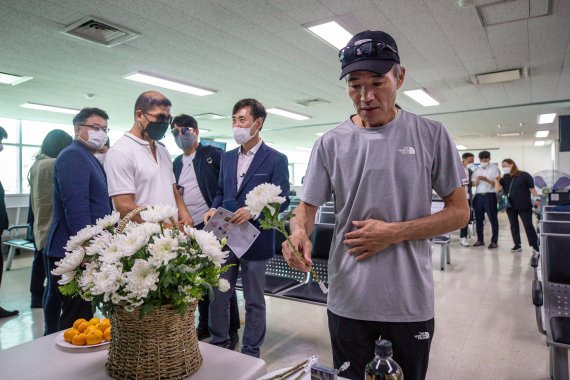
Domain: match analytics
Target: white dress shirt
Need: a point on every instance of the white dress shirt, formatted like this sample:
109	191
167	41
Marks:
491	172
244	162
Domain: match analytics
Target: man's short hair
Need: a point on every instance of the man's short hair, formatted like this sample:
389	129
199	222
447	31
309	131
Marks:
3	134
184	121
257	109
86	113
466	155
147	101
484	154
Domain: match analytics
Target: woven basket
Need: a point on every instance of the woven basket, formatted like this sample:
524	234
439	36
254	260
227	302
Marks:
161	345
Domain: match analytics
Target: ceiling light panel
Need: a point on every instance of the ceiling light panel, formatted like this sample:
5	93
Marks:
175	85
332	33
422	97
44	107
542	134
289	114
12	79
546	118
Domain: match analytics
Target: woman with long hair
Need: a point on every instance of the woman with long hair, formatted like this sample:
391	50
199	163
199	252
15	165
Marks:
518	186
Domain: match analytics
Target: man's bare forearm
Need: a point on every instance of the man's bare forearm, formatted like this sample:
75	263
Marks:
304	220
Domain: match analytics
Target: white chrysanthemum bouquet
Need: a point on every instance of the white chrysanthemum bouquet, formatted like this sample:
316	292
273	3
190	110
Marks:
264	201
144	265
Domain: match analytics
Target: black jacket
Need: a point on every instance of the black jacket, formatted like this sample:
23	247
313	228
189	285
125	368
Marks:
207	168
3	214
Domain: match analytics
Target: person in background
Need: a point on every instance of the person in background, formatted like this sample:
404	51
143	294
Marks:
380	270
4	224
467	160
196	172
242	169
485	200
80	197
41	181
139	168
518	186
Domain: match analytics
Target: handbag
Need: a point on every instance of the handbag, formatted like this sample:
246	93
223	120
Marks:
503	200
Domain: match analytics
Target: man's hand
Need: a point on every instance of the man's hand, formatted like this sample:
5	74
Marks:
371	237
208	215
304	246
241	216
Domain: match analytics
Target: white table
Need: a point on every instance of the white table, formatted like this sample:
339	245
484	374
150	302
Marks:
43	359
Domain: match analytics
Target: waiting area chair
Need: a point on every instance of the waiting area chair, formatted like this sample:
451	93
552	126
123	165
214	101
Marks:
18	243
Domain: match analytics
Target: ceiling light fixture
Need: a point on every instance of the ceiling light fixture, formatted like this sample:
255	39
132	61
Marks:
209	116
546	118
320	133
155	80
461	147
44	107
332	33
289	114
202	130
498	76
509	134
541	134
12	79
539	143
422	97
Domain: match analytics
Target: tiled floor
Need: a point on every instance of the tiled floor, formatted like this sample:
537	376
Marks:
485	324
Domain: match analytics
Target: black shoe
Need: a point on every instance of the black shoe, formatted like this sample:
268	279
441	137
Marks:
516	248
202	334
493	245
5	313
234	339
478	243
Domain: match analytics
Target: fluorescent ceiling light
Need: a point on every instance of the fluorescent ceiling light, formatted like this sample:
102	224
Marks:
461	147
289	114
209	116
509	134
44	107
12	79
546	118
539	143
499	76
303	148
168	83
202	130
422	97
332	33
320	133
540	134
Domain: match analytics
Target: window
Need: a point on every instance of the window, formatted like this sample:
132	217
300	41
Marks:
10	161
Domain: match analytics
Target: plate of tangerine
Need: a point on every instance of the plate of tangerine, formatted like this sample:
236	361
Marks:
83	334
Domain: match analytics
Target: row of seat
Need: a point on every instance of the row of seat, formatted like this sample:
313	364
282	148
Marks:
551	289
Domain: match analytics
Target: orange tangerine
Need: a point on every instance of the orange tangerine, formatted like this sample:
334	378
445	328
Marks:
83	326
104	324
107	334
69	334
79	339
95	336
90	328
78	322
94	321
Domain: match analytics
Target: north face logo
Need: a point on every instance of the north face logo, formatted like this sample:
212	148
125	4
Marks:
407	150
422	335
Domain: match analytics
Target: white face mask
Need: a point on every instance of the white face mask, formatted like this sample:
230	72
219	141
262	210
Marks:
243	135
469	166
506	170
484	164
96	139
100	157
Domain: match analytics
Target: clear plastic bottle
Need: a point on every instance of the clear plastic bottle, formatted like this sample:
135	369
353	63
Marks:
383	367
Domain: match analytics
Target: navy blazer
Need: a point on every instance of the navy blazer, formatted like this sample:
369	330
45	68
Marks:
207	168
268	165
80	196
4	223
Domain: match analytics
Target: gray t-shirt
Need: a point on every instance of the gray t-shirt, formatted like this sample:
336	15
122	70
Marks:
385	173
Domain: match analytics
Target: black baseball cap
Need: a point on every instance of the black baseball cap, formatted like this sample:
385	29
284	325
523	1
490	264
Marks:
184	121
378	56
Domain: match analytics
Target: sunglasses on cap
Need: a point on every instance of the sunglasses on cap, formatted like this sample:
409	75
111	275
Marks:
370	49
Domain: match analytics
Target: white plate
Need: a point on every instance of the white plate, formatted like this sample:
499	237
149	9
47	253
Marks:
62	343
277	372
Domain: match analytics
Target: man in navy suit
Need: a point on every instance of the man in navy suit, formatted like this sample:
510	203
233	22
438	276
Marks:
80	197
242	169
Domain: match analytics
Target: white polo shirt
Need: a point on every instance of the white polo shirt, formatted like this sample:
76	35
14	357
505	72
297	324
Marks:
491	172
193	197
132	169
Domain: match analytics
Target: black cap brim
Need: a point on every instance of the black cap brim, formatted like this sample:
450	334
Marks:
379	66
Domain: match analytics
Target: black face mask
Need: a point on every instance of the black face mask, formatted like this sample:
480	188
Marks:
156	129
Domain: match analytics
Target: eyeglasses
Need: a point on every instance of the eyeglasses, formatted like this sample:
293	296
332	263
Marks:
369	48
160	118
95	127
180	130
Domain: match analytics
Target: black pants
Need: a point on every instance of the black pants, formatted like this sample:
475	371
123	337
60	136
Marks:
526	218
486	204
464	231
61	311
353	340
38	277
1	258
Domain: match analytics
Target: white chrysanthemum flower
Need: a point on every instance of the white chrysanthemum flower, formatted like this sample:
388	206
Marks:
67	277
159	213
87	279
82	236
209	244
142	279
223	285
162	250
70	262
115	251
108	280
99	243
262	196
109	220
134	241
117	298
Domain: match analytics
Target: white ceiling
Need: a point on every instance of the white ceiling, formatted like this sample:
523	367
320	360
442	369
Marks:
259	48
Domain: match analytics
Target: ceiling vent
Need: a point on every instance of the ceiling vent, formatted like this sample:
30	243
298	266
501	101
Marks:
100	32
311	102
499	76
502	12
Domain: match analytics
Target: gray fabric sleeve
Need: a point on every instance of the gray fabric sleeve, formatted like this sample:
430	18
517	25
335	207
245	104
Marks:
447	173
317	184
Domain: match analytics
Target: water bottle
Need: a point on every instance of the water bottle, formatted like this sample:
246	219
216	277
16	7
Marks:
383	367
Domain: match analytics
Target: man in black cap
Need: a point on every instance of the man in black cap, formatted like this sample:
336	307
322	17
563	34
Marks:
380	270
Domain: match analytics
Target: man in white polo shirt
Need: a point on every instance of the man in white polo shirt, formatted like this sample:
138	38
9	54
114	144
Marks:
485	201
139	170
